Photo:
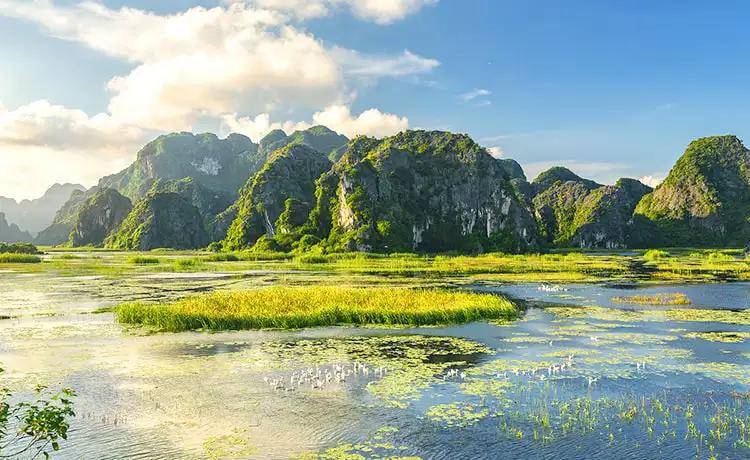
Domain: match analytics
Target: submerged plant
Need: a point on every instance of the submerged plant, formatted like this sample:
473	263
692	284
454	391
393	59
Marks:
658	299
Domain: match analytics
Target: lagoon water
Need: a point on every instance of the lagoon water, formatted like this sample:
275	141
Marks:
565	381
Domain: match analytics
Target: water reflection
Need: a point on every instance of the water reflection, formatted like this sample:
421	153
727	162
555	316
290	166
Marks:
628	381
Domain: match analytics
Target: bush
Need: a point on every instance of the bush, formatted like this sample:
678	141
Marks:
18	248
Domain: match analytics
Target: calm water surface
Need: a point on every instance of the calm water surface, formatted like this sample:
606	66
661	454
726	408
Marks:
572	382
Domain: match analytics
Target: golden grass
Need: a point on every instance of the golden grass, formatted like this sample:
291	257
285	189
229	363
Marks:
297	307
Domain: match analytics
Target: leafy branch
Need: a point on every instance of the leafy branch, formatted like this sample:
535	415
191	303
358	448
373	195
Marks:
40	424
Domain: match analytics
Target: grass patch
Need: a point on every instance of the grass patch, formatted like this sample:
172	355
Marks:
13	258
720	336
223	257
297	307
186	264
67	257
653	255
658	299
143	260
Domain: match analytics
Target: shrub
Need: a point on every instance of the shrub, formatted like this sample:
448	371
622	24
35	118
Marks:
18	248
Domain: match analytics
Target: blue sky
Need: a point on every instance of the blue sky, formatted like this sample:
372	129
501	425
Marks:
608	88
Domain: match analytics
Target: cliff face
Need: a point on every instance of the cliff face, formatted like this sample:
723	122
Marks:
286	181
420	190
160	220
98	217
705	199
59	231
573	214
222	165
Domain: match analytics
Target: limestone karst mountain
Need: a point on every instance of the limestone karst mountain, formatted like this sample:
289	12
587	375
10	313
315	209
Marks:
35	215
705	199
10	233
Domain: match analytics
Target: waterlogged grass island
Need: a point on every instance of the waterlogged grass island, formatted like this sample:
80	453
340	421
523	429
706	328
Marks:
298	307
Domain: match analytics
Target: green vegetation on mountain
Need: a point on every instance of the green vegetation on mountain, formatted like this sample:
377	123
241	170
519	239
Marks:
415	191
548	178
514	170
705	199
419	190
98	217
281	194
318	138
59	231
571	214
217	164
160	220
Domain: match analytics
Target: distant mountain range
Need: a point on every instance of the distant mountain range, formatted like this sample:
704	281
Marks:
35	215
428	191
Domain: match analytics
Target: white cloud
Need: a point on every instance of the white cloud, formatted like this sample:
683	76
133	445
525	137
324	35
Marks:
41	124
371	122
207	62
339	118
474	94
42	143
256	128
378	11
496	151
652	181
400	65
385	11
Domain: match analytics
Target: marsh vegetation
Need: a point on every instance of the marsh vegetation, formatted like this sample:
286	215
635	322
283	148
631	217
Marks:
385	355
297	307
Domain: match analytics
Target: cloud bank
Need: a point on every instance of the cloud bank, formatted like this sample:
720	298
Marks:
242	63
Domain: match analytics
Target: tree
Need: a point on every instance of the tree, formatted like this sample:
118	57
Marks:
34	427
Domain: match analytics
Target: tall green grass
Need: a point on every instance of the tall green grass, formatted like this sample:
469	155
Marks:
653	255
143	260
297	307
12	258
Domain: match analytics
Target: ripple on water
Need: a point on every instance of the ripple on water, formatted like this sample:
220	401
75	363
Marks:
469	391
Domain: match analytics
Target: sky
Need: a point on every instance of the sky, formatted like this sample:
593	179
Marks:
608	89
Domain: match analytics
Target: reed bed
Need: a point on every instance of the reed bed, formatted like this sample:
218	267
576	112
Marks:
143	260
13	258
659	299
298	307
